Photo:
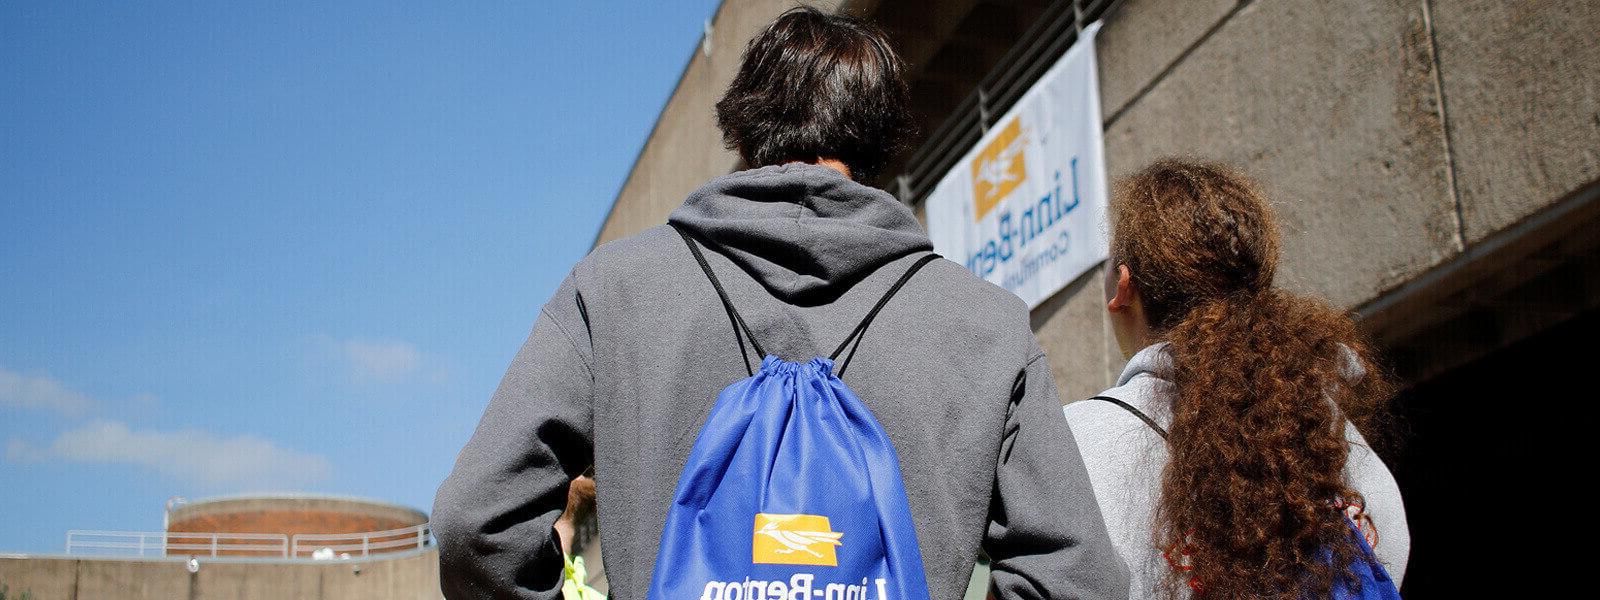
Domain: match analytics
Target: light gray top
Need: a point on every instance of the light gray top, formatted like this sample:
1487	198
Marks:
625	362
1125	458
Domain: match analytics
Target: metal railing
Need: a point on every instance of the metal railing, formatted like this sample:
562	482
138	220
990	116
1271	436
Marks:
301	546
168	543
1038	48
349	545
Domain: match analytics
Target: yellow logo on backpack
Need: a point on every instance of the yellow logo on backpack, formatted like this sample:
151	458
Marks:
794	540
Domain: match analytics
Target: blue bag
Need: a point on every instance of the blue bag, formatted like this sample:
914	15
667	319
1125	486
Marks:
792	490
1373	578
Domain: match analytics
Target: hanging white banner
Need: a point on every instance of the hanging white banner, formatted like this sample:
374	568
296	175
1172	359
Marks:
1025	209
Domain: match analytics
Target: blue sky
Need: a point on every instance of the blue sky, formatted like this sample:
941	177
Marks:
290	248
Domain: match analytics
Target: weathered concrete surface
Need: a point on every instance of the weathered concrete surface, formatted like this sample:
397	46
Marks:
415	577
247	581
412	577
1332	104
1521	83
1070	329
685	149
41	578
117	580
1142	38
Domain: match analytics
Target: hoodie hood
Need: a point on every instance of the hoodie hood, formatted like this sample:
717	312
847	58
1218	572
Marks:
806	232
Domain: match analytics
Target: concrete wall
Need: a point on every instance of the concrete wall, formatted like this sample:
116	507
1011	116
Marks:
1393	135
1521	87
412	577
1332	104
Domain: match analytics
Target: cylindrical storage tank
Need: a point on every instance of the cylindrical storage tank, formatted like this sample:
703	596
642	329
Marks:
293	526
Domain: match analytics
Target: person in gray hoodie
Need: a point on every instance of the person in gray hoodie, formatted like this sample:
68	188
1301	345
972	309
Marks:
625	361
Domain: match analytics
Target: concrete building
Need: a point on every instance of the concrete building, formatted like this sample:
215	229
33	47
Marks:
333	524
412	576
244	548
1435	164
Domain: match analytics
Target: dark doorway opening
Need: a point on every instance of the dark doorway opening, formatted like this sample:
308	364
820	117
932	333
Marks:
1492	465
1495	351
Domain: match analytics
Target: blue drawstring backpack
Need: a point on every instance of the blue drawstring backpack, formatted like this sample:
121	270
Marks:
792	491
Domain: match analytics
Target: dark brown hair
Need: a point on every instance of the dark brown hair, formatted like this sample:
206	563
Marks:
1257	448
814	85
581	509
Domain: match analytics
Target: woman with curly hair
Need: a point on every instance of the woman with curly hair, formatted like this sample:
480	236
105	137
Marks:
1227	460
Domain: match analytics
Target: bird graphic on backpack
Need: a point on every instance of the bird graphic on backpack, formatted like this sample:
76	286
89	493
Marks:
787	534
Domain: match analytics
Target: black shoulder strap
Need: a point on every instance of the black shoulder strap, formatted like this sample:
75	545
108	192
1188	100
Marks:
733	314
1142	417
861	328
741	330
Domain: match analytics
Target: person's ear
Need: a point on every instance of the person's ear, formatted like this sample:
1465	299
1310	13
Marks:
1125	294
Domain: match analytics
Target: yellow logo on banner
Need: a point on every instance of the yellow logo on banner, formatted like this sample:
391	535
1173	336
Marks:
998	169
794	540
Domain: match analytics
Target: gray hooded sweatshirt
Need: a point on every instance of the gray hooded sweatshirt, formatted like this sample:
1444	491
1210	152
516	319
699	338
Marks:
625	362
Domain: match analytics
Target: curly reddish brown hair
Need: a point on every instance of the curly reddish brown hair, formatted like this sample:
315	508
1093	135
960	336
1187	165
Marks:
1257	449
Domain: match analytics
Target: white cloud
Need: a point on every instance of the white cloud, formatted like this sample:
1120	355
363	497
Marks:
41	393
382	361
199	457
